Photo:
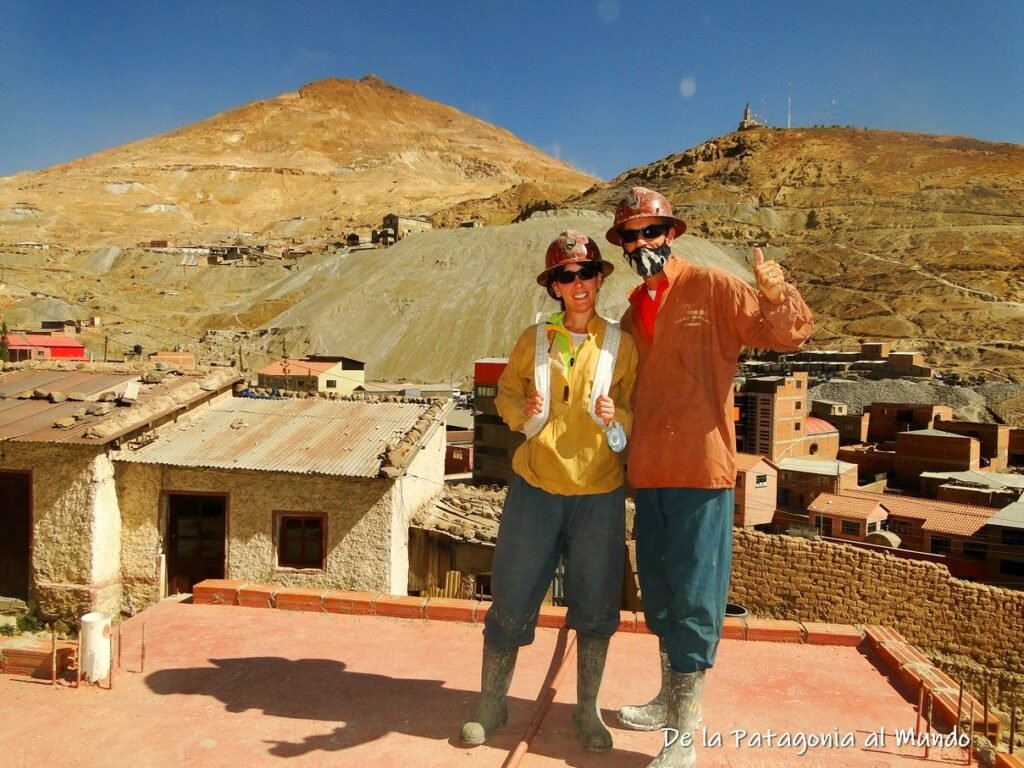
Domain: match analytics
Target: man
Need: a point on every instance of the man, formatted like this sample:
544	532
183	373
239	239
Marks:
690	324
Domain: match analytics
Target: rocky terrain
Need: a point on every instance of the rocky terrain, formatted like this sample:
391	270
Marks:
906	238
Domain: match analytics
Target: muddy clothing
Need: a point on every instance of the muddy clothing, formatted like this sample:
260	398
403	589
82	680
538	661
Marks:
567	497
683	430
536	529
682	452
570	455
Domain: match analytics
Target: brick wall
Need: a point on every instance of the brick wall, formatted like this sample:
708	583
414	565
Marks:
959	624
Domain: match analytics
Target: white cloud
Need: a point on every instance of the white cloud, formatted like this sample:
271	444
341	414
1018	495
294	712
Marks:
608	10
687	87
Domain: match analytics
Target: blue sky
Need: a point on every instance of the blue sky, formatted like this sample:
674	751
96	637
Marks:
606	85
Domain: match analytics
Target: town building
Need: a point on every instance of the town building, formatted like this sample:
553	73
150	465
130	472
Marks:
494	443
59	430
310	492
755	491
44	346
401	227
314	373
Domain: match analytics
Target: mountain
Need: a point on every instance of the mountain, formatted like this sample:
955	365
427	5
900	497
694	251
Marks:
890	236
333	157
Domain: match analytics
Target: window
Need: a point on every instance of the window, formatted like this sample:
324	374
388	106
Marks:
799	405
872	527
1011	568
761	481
814	448
1013	538
799	384
941	545
850	527
482	391
902	527
796	426
331	384
975	550
300	541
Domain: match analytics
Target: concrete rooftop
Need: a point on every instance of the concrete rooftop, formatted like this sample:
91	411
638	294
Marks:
237	686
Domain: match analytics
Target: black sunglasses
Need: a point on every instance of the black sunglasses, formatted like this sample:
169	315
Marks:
586	272
651	232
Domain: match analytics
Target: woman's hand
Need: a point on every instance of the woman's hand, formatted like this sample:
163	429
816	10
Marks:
604	408
534	405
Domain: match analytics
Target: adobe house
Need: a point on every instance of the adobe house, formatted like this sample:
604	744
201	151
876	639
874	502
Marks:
311	492
494	443
889	419
994	440
59	428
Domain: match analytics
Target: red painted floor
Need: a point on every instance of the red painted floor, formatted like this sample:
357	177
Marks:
245	687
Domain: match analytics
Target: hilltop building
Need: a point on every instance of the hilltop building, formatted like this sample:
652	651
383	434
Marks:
748	120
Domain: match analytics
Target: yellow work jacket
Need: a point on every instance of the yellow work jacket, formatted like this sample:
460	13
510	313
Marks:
570	455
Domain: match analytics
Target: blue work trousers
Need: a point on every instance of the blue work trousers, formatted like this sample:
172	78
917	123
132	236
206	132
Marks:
684	555
536	528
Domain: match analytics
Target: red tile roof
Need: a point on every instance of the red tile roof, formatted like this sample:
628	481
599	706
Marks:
747	461
843	506
296	368
937	516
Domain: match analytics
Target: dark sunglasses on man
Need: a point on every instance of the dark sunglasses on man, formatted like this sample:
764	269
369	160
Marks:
585	272
651	232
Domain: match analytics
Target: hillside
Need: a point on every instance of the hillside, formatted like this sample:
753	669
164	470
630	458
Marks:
891	236
333	157
896	236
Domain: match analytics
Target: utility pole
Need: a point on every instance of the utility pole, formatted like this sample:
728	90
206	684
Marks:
105	340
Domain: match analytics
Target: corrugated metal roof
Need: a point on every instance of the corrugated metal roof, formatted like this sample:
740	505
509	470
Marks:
816	466
346	438
1010	516
996	480
32	420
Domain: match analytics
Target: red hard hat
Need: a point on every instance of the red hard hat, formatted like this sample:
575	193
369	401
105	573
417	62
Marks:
643	203
571	247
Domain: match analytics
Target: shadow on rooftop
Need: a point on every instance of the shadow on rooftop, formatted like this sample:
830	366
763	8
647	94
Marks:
366	706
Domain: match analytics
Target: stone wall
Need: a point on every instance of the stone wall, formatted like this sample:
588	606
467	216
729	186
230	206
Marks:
74	566
359	518
962	626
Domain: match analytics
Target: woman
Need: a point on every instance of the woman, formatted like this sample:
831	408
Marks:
568	386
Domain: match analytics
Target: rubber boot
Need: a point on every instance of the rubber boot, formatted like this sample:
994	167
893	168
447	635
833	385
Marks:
590	656
495	679
684	692
650	716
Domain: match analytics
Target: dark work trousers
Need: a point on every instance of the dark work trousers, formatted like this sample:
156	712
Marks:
536	528
684	555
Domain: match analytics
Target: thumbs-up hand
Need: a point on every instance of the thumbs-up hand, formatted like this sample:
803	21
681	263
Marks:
770	278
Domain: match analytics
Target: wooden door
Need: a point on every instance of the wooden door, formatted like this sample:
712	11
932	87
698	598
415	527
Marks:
195	540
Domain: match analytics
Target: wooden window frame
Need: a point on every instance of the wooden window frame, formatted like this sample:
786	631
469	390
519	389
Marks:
279	520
